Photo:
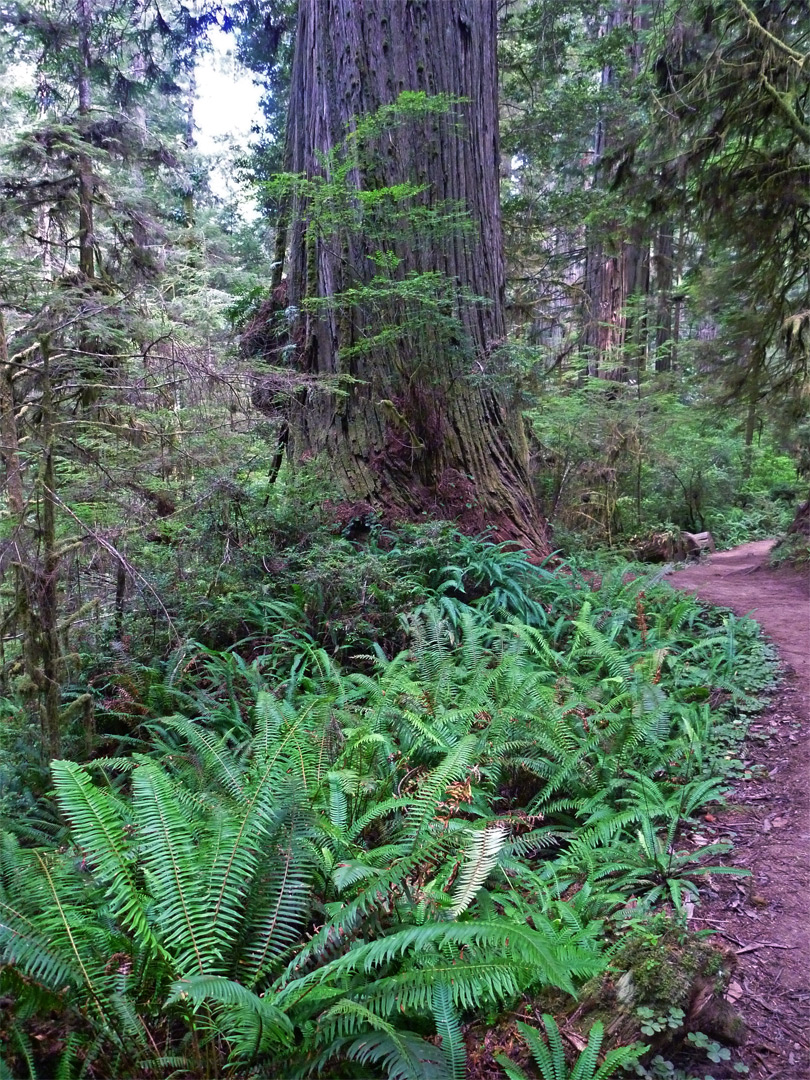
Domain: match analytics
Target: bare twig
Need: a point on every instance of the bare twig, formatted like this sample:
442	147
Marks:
122	559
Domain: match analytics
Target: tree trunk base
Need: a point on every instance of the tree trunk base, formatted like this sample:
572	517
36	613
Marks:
800	525
667	980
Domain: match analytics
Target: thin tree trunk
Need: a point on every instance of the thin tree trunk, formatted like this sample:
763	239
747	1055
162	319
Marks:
664	274
801	522
87	240
190	143
8	430
421	428
617	266
120	599
14	491
48	585
753	394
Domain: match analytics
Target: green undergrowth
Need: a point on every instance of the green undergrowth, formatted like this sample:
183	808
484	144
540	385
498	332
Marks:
332	860
792	550
622	465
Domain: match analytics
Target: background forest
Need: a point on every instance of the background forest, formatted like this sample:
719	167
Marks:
307	767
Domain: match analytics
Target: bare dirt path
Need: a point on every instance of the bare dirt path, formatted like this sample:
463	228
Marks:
766	918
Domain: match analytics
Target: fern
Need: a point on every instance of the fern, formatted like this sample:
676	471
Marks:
448	1027
602	647
278	903
454	767
214	988
310	863
550	1058
220	767
98	822
177	875
401	1055
480	858
472	984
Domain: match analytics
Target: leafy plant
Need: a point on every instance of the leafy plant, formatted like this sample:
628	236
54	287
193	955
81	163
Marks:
365	856
550	1058
651	1023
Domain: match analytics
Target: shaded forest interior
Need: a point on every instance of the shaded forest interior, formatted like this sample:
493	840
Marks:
346	728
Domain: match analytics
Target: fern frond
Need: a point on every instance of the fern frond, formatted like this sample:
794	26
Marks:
480	857
399	1055
279	903
348	873
97	820
449	1028
544	954
528	843
471	984
271	716
454	767
178	881
392	806
214	988
550	1059
605	649
70	928
513	1071
338	804
347	1018
24	944
620	1058
219	763
378	897
585	1065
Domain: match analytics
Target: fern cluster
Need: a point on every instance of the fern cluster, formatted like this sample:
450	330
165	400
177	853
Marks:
332	867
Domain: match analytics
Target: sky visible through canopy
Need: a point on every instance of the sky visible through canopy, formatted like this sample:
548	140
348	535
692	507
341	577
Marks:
227	105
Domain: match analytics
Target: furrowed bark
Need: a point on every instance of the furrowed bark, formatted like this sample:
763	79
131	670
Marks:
421	429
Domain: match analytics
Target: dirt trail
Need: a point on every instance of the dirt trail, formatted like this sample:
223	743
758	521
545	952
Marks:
766	917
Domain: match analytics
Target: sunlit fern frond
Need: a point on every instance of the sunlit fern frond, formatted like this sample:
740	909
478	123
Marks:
45	932
270	716
539	648
472	983
480	857
373	905
528	843
501	952
605	650
269	908
102	830
220	765
26	938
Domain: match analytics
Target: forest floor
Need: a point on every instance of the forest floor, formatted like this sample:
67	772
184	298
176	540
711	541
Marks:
766	917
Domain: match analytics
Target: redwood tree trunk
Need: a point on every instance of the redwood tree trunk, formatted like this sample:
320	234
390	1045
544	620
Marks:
422	428
617	263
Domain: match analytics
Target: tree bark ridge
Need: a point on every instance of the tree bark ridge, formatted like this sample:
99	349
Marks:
422	428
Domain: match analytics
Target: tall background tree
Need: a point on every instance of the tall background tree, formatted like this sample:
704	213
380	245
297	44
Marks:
732	116
418	425
657	215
